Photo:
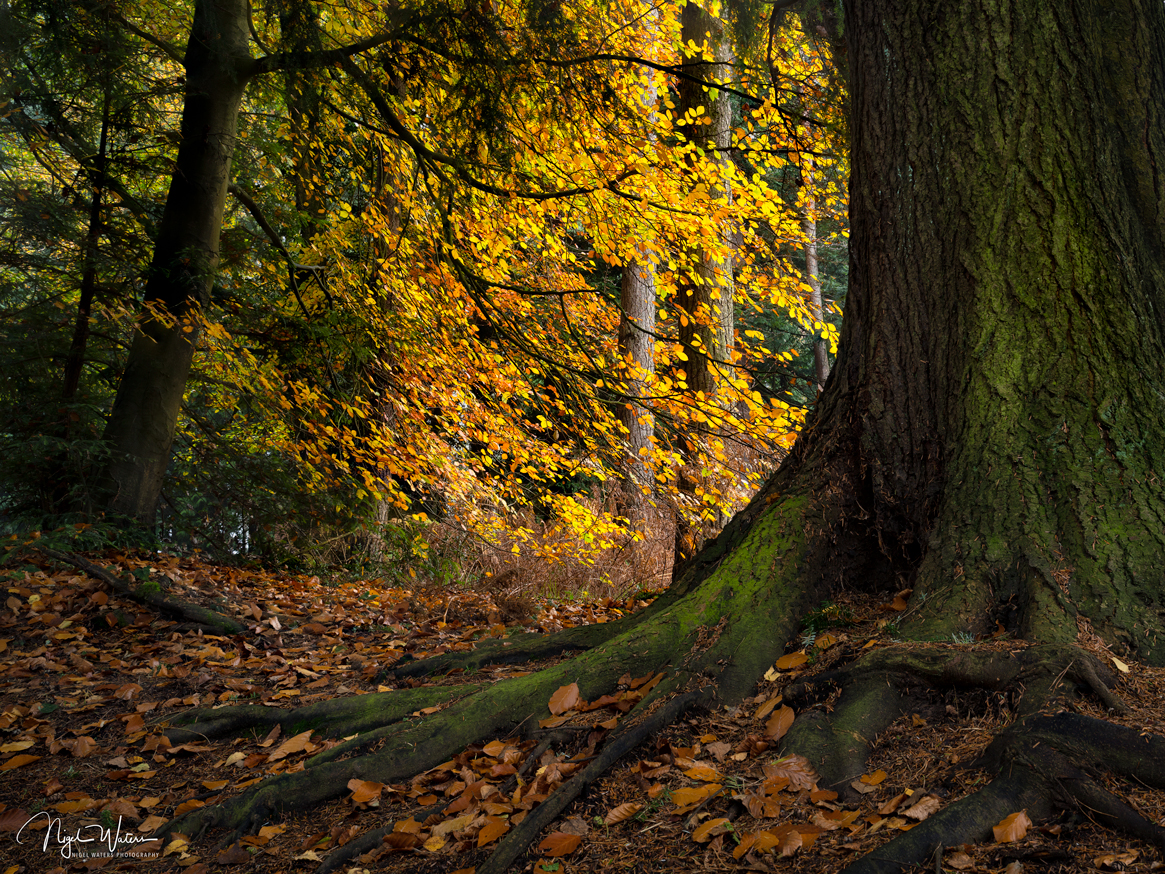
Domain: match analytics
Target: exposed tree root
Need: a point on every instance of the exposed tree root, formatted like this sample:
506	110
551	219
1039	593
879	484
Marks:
702	655
883	685
1040	761
362	713
167	605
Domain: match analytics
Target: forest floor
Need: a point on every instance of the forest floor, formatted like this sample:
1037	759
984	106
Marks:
90	680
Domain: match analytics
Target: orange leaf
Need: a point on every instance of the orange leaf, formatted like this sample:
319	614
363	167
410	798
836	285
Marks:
566	698
621	812
703	772
692	795
1013	828
19	761
295	744
792	660
493	829
779	723
704	832
875	778
364	791
560	843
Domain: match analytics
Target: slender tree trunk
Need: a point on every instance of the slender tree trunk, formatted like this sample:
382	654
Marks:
144	418
705	300
637	348
813	278
76	358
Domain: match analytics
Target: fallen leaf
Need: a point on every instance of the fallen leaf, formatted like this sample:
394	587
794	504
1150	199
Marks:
493	829
1013	828
559	844
621	812
1120	666
796	769
13	819
295	744
19	761
364	791
710	829
233	855
892	805
779	723
564	699
922	808
790	661
790	843
875	778
1116	861
959	860
703	772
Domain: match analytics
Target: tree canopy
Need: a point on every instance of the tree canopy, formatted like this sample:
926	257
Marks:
408	292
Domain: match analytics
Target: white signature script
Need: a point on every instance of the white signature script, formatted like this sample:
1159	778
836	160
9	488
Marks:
110	838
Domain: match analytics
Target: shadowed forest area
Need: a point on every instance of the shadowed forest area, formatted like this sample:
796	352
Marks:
445	437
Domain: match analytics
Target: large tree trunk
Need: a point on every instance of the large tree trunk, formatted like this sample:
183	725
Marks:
998	409
992	434
144	418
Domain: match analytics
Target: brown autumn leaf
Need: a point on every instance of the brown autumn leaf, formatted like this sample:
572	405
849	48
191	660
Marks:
621	812
779	723
127	691
959	860
792	660
564	699
693	794
710	829
922	808
719	750
796	769
703	772
12	819
1116	861
296	744
19	761
494	748
559	844
791	843
152	823
364	791
80	747
1012	828
875	778
892	805
493	828
233	855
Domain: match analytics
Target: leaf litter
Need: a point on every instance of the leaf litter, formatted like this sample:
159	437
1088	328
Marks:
90	680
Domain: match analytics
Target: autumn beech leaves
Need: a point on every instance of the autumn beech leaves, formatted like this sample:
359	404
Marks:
567	700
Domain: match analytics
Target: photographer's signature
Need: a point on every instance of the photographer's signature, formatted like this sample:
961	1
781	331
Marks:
107	839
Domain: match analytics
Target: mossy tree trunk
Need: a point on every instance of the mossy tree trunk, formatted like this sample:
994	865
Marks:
992	435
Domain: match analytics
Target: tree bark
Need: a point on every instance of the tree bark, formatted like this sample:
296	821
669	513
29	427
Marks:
637	348
144	417
707	321
998	412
